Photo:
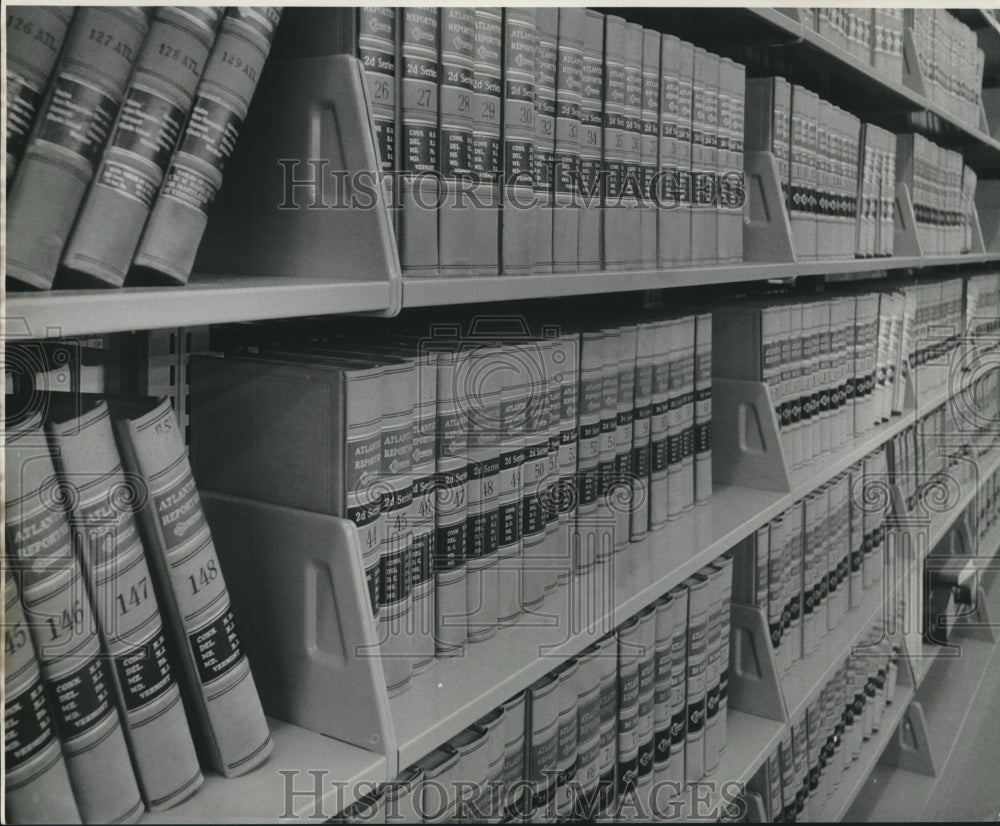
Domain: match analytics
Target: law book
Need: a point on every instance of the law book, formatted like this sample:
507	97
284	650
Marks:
566	737
645	727
608	759
662	664
681	421
513	735
608	522
825	238
535	488
418	149
36	783
546	63
778	609
884	326
704	157
510	554
456	89
649	150
631	195
802	160
684	186
699	612
613	221
589	445
193	597
518	213
838	549
64	632
487	804
735	176
121	588
66	141
176	223
441	771
591	143
558	551
673	224
680	595
713	735
566	156
804	349
800	769
642	400
856	535
588	729
794	517
150	120
724	565
35	35
827	381
703	409
565	367
484	148
483	519
542	727
658	335
624	494
472	768
629	654
810	576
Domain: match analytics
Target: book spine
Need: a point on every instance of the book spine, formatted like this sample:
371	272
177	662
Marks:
724	609
647	687
609	723
557	553
424	507
568	353
543	746
483	515
513	733
419	187
678	684
513	404
735	175
397	508
809	583
176	224
613	168
642	408
629	654
150	119
35	34
703	409
662	660
632	134
589	445
126	608
704	158
624	494
565	220
451	511
659	426
608	525
590	144
456	89
535	488
68	137
194	596
377	36
484	242
546	59
777	602
650	147
64	633
519	211
588	732
681	423
36	784
712	742
567	742
487	803
794	586
699	611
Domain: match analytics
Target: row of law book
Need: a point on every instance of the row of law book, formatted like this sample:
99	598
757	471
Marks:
805	769
933	331
873	36
125	676
482	469
943	191
119	126
810	568
544	140
837	173
621	727
982	309
832	366
950	62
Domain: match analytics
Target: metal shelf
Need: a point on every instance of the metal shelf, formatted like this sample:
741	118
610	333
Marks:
208	299
262	795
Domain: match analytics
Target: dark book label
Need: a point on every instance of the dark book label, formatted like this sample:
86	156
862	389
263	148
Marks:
696	716
23	101
628	773
661	746
420	148
148	127
450	546
82	699
144	672
395	577
216	647
647	757
421	560
78	118
211	132
703	437
27	725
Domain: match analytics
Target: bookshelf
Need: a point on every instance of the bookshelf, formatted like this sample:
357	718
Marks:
455	693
